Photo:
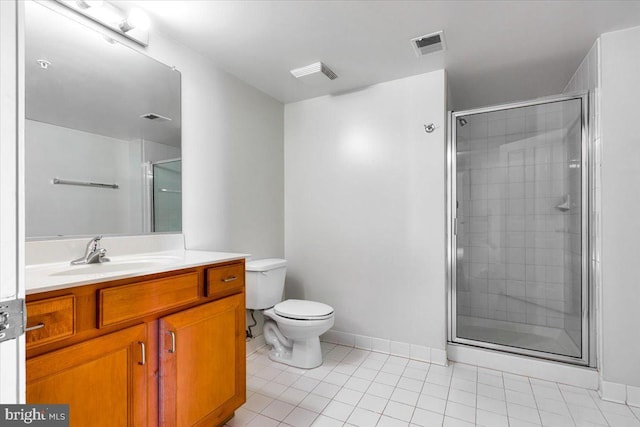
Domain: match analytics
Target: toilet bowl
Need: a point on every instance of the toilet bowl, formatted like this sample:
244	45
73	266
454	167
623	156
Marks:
293	327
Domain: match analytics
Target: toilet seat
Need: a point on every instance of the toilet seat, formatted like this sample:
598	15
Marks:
303	310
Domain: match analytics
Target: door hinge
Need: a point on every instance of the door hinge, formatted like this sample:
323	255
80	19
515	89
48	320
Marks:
12	319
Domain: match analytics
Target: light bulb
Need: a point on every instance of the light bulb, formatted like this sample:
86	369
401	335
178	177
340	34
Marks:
136	18
86	4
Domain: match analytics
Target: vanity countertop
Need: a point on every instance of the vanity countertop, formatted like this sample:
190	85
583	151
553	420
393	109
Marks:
61	275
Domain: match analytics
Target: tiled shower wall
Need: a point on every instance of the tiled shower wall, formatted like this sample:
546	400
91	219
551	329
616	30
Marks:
513	182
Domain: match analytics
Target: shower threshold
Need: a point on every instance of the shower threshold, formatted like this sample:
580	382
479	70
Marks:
554	341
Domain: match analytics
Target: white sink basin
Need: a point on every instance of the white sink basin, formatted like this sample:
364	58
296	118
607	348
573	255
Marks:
62	275
123	264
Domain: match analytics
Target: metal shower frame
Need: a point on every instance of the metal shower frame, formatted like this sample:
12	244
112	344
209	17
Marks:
588	347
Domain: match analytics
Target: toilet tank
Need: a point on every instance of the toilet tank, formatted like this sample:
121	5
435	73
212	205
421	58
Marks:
264	282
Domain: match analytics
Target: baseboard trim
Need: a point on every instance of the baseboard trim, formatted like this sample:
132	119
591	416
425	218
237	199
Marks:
620	393
535	368
254	344
380	345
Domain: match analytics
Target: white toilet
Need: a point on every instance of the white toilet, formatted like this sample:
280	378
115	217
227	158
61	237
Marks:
292	327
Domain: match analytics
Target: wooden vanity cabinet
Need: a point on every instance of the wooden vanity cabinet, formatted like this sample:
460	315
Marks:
50	320
159	350
102	379
202	366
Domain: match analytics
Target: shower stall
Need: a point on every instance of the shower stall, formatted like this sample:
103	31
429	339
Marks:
163	195
518	251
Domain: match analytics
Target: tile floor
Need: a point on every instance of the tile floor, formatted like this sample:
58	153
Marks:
362	388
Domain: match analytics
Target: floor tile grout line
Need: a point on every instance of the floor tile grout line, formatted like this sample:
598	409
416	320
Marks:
452	374
564	399
372	381
395	387
343	386
534	400
604	416
538	403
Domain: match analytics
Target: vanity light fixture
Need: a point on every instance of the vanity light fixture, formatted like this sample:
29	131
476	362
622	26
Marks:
133	24
86	4
136	18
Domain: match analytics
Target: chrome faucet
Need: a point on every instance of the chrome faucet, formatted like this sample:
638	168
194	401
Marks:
94	254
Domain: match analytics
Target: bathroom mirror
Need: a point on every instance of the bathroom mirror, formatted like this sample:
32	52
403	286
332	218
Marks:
102	119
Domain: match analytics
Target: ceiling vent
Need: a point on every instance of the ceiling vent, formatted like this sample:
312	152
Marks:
156	117
430	43
314	73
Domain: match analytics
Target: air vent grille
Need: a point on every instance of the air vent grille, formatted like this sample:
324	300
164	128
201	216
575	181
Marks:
328	72
429	43
315	73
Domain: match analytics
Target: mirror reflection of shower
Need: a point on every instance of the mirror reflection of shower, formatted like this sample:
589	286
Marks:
164	195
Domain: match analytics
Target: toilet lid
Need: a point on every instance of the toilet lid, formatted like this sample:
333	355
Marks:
301	309
265	264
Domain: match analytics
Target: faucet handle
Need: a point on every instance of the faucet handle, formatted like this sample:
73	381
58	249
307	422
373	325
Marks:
92	251
94	243
92	246
102	252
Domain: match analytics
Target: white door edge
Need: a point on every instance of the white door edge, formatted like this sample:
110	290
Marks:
12	352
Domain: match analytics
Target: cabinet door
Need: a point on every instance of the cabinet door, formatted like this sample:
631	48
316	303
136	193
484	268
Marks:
202	363
103	380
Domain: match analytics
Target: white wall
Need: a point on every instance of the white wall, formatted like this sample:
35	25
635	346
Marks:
232	154
155	152
620	206
232	159
364	208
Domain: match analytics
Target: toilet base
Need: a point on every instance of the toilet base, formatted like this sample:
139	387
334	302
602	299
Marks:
295	342
305	354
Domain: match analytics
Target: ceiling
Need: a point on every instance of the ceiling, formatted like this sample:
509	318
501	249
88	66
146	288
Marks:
497	51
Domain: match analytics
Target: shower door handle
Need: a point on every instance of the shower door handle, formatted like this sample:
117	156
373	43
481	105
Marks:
455	226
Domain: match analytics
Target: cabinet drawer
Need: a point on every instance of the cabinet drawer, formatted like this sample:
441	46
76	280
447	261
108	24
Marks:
57	317
225	280
127	302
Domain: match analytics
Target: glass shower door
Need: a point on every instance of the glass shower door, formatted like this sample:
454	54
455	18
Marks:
519	237
167	196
